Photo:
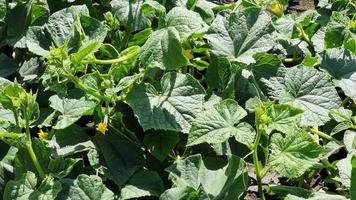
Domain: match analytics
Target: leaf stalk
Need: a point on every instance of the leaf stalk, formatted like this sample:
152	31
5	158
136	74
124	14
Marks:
257	163
31	152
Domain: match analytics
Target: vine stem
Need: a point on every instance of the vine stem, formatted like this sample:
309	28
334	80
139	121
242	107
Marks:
326	136
304	35
257	163
10	135
31	152
111	61
88	90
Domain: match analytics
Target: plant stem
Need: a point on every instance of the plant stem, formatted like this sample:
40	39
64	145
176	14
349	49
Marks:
257	164
346	101
111	61
31	152
88	90
265	171
326	136
304	36
290	60
10	135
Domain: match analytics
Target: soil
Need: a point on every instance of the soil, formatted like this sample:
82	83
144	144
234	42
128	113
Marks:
297	6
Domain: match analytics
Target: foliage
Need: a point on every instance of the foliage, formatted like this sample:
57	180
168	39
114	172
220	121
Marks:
178	99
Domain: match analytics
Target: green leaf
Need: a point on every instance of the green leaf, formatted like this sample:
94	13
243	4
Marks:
218	73
71	109
7	168
293	155
341	65
160	144
42	152
19	17
48	189
306	89
130	14
22	188
114	149
218	182
186	172
279	117
249	81
159	48
30	68
61	24
25	188
341	115
7	115
344	167
70	140
85	187
218	123
241	34
185	21
203	7
172	107
183	193
7	65
95	34
143	183
60	167
38	41
3	10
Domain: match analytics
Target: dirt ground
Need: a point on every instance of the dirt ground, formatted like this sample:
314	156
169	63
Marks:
295	6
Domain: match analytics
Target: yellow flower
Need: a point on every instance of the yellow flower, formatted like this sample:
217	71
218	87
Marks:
41	134
101	128
188	54
277	9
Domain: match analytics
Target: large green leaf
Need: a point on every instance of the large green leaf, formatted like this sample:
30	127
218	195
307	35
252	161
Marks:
48	189
21	188
341	65
306	89
25	188
61	24
71	109
172	107
185	21
70	140
161	143
85	188
7	65
159	48
218	182
143	183
38	41
218	123
279	117
241	34
18	19
249	80
113	160
344	167
131	15
293	154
